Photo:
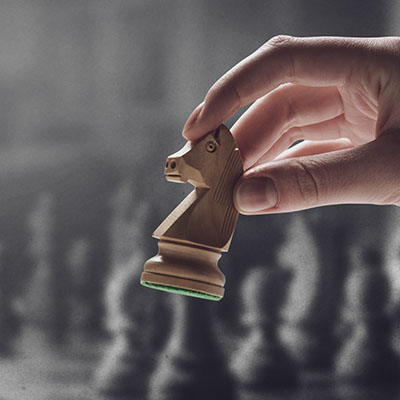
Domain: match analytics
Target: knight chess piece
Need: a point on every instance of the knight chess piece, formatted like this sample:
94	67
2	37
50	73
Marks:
193	236
367	356
192	365
262	362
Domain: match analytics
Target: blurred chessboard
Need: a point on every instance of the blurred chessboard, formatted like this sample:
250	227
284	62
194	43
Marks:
41	371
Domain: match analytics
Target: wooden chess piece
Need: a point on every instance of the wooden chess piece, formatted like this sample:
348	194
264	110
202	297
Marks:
263	363
367	356
194	234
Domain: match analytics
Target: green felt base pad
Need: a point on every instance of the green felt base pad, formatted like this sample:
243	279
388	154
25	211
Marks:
184	292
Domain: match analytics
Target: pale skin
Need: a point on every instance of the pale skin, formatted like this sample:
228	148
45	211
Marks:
340	95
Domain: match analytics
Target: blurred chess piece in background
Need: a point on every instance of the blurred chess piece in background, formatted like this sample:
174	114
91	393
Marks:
316	251
136	318
16	259
9	320
392	266
39	304
192	364
367	356
262	363
306	323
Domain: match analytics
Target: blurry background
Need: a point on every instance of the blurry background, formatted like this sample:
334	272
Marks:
93	97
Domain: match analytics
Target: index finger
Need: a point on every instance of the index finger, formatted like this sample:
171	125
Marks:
314	61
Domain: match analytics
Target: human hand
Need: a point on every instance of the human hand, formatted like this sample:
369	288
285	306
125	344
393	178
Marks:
341	95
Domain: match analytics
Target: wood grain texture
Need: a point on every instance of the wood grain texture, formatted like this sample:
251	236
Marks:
204	220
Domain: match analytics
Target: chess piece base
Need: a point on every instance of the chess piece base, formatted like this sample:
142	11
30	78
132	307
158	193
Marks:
186	269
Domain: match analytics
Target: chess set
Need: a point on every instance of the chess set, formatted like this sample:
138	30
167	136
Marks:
292	324
200	358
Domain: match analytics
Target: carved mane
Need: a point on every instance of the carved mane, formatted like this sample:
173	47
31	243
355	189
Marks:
223	192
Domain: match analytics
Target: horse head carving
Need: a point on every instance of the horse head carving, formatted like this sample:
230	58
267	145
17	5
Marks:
201	163
206	218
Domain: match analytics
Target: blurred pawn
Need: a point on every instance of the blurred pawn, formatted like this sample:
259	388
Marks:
367	356
392	264
82	337
314	251
262	362
128	360
191	365
137	332
42	305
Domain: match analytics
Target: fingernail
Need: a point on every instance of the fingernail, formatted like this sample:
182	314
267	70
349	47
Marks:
193	117
256	194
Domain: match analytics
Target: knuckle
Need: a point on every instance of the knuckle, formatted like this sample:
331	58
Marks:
220	85
227	86
214	90
291	116
308	185
280	41
282	46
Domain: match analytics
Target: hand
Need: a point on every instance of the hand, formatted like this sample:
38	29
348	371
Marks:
341	95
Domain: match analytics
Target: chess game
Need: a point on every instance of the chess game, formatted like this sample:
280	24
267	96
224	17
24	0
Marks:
308	316
93	98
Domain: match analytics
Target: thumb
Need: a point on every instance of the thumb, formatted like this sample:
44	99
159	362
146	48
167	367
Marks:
365	174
